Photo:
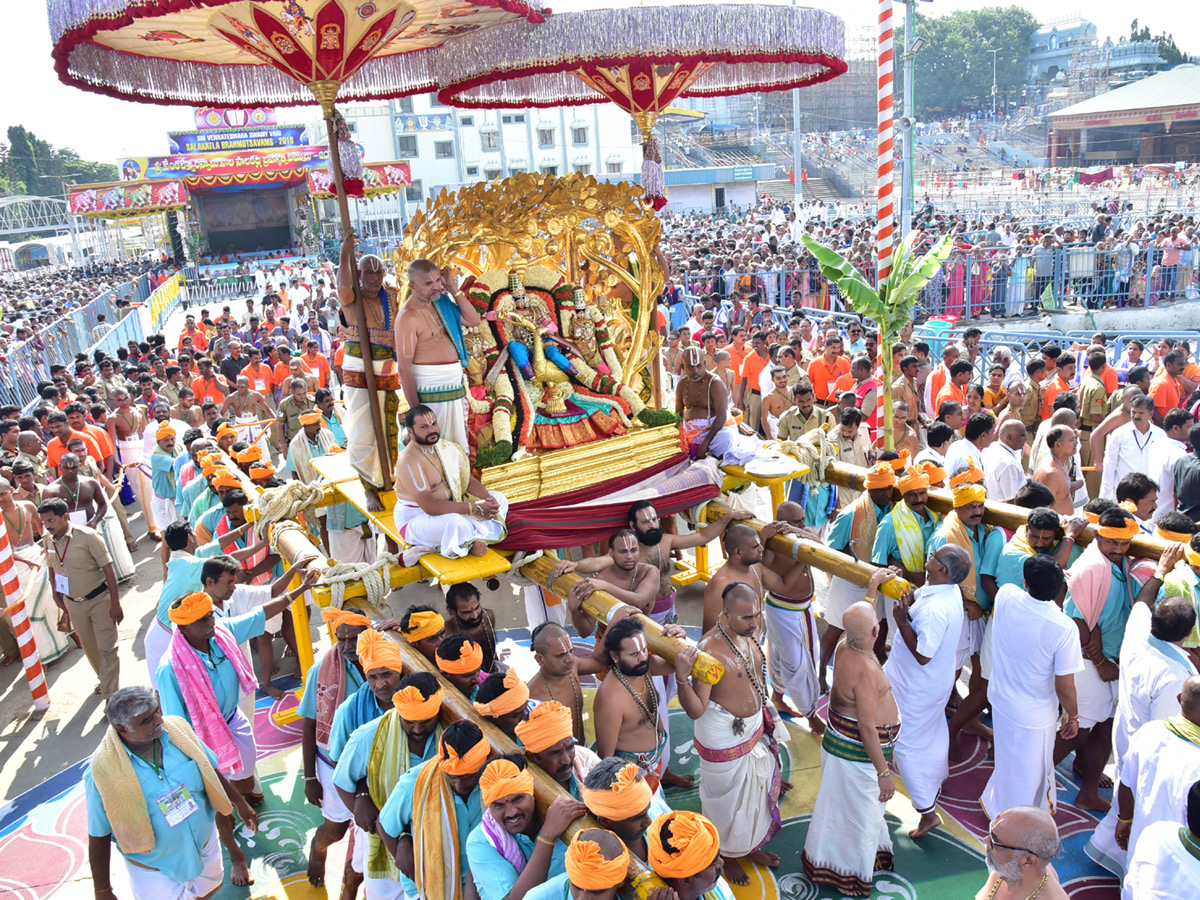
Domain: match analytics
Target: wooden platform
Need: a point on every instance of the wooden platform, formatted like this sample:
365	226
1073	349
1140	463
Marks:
337	470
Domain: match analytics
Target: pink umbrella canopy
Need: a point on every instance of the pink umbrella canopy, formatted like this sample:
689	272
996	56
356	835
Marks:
643	58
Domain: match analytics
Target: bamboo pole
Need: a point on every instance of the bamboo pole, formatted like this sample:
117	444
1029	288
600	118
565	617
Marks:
817	555
455	708
1003	514
601	605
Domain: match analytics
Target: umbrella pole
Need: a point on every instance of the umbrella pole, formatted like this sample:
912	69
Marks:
325	92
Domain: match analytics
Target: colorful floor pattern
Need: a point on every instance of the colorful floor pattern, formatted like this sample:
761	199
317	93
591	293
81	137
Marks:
43	833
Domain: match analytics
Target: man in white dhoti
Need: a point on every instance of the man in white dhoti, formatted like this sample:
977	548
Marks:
1166	865
702	401
125	427
1162	764
439	503
431	355
848	839
740	774
162	477
251	415
921	670
1035	655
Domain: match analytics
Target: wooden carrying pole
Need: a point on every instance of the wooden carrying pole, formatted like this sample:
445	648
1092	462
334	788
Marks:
455	708
601	605
816	555
325	92
1003	514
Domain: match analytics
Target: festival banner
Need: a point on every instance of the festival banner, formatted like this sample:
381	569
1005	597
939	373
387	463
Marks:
409	123
126	199
210	117
222	140
378	178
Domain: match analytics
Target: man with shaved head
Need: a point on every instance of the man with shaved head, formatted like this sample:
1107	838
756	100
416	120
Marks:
1003	465
557	678
848	839
1021	842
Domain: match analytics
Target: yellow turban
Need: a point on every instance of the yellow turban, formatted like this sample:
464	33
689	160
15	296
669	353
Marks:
423	625
694	838
914	479
881	476
900	463
469	660
502	778
262	471
253	453
588	870
973	475
467	764
190	608
628	796
548	723
165	432
1191	555
969	493
339	617
515	696
310	418
377	652
412	705
1125	533
225	478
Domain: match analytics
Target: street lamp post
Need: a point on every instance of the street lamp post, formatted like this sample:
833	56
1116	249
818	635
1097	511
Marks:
994	52
62	181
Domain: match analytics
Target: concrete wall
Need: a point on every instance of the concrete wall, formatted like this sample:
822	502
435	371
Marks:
1180	315
699	197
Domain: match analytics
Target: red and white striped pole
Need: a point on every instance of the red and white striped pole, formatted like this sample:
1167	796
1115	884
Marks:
30	658
885	210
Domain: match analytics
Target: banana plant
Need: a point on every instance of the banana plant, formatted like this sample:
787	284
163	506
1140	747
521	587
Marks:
889	306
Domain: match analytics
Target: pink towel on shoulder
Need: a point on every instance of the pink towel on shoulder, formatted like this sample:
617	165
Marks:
200	698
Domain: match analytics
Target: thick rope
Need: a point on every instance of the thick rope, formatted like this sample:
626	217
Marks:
374	576
814	450
519	559
286	502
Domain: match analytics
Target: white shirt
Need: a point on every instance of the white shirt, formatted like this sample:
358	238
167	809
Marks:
1003	473
1127	450
1161	470
929	455
959	451
1161	868
936	615
1152	675
1160	768
1032	643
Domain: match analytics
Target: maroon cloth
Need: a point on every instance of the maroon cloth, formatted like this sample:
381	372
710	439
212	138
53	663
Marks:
1096	177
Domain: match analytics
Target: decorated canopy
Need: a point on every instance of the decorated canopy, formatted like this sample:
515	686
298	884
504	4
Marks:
378	178
247	52
126	199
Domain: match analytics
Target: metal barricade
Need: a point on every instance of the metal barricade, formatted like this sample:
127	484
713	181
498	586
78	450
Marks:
1149	338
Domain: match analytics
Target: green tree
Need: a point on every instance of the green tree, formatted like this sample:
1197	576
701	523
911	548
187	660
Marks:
1167	48
954	70
29	165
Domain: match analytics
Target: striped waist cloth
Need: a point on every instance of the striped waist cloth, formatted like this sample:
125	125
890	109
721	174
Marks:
841	739
787	603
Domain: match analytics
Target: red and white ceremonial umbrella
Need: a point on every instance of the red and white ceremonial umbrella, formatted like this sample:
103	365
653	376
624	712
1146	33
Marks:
642	58
270	53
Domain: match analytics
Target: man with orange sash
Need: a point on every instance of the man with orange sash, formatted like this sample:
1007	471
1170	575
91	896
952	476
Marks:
327	683
685	851
596	864
432	810
550	742
374	758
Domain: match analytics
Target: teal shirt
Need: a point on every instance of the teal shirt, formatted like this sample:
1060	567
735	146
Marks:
1115	614
1011	567
211	517
396	819
348	719
839	533
162	473
335	425
183	577
886	546
188	494
202	504
494	875
985	550
556	888
177	850
221	672
308	700
356	755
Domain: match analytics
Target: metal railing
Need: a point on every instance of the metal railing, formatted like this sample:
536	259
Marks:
222	289
166	298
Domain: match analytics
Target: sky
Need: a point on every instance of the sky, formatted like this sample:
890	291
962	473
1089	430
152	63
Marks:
104	129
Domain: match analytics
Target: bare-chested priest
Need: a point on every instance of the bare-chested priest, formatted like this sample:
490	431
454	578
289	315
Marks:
439	503
702	401
848	838
558	672
431	355
743	562
84	496
740	772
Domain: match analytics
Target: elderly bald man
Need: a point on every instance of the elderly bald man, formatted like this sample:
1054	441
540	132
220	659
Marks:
1021	843
1003	463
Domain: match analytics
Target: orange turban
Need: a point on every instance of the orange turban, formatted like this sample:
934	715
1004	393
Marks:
502	778
881	476
467	764
225	478
205	457
969	493
253	453
1092	517
588	870
377	652
628	796
339	617
310	418
516	695
262	471
548	723
900	463
694	838
412	705
165	432
936	473
1129	506
1126	533
470	660
208	468
914	479
226	429
191	608
423	625
973	475
1177	536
